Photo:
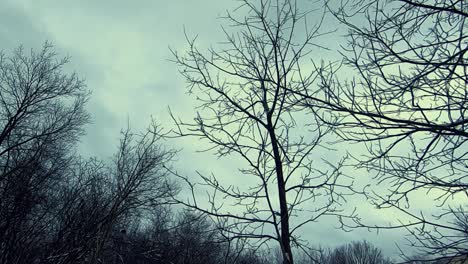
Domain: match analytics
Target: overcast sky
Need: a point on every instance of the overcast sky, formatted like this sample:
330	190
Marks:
121	48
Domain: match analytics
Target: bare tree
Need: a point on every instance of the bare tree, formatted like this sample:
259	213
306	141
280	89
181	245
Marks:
41	116
408	105
195	240
83	196
357	253
247	109
100	199
55	206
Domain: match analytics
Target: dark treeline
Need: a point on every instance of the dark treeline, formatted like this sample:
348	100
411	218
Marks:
56	207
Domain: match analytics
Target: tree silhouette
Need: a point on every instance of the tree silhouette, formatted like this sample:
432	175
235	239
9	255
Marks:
55	206
357	253
99	201
41	116
247	109
408	105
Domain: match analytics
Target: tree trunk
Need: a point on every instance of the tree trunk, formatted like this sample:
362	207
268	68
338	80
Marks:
284	239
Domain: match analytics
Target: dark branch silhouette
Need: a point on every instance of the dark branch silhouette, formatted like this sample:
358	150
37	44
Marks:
247	108
407	105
